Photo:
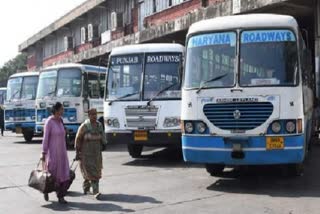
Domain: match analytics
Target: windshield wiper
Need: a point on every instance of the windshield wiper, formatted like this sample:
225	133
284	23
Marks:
210	80
15	93
160	92
124	96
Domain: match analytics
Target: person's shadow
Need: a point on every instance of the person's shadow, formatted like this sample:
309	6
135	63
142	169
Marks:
109	207
100	205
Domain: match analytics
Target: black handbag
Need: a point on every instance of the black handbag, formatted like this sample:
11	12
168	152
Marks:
41	180
72	173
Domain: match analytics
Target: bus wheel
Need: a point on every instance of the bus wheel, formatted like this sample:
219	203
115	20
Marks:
135	150
28	135
295	169
214	169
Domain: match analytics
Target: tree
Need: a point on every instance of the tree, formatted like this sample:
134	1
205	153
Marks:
17	64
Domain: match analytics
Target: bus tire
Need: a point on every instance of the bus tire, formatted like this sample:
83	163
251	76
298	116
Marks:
28	135
135	150
296	169
215	169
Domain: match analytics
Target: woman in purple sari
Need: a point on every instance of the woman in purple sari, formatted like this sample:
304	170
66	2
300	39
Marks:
54	152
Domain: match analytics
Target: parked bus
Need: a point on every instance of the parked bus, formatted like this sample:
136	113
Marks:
247	97
20	104
143	96
78	87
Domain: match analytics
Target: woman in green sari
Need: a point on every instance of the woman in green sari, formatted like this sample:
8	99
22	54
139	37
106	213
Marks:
89	142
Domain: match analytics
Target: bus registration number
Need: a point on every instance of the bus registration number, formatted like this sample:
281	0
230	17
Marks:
275	143
140	136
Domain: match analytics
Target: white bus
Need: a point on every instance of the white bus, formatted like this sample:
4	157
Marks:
78	87
143	95
247	96
20	104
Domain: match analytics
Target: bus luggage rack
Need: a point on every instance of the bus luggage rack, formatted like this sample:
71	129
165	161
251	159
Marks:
238	116
141	116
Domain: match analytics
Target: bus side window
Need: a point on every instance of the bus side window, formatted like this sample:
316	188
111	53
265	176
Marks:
93	85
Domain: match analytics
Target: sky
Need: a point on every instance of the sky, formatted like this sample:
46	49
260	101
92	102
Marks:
21	19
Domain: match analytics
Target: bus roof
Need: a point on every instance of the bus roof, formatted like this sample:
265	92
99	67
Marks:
243	21
149	48
77	65
25	74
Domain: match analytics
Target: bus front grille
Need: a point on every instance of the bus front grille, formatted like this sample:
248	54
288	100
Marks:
141	116
238	116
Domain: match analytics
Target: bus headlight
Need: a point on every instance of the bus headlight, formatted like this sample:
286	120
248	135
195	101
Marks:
115	123
276	127
201	127
72	118
290	126
188	127
112	122
171	122
66	104
42	105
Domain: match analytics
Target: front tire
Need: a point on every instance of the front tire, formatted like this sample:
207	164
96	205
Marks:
296	169
215	169
135	150
28	135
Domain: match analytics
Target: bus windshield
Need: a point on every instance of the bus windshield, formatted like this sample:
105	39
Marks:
211	57
162	71
268	57
14	88
29	88
69	82
124	77
47	83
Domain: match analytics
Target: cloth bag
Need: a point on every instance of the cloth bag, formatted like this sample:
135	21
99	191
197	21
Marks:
41	180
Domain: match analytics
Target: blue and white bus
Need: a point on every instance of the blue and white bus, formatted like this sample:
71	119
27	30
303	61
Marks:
143	96
78	87
247	96
20	104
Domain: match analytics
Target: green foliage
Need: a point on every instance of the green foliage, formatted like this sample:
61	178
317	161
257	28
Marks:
17	64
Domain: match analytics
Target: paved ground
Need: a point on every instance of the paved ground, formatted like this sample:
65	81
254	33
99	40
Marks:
159	183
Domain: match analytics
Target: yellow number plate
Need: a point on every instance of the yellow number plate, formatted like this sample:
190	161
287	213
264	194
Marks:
18	130
275	143
140	136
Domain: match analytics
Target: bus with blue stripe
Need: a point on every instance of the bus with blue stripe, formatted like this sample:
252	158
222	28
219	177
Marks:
78	87
20	104
247	96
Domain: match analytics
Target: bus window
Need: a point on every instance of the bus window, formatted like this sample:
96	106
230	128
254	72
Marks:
69	83
271	61
29	88
93	85
211	56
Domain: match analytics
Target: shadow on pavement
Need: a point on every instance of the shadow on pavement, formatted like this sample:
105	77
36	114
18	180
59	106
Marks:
168	157
31	142
273	180
129	198
120	198
109	207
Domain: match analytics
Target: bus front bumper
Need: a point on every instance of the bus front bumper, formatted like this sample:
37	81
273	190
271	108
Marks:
154	138
215	150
